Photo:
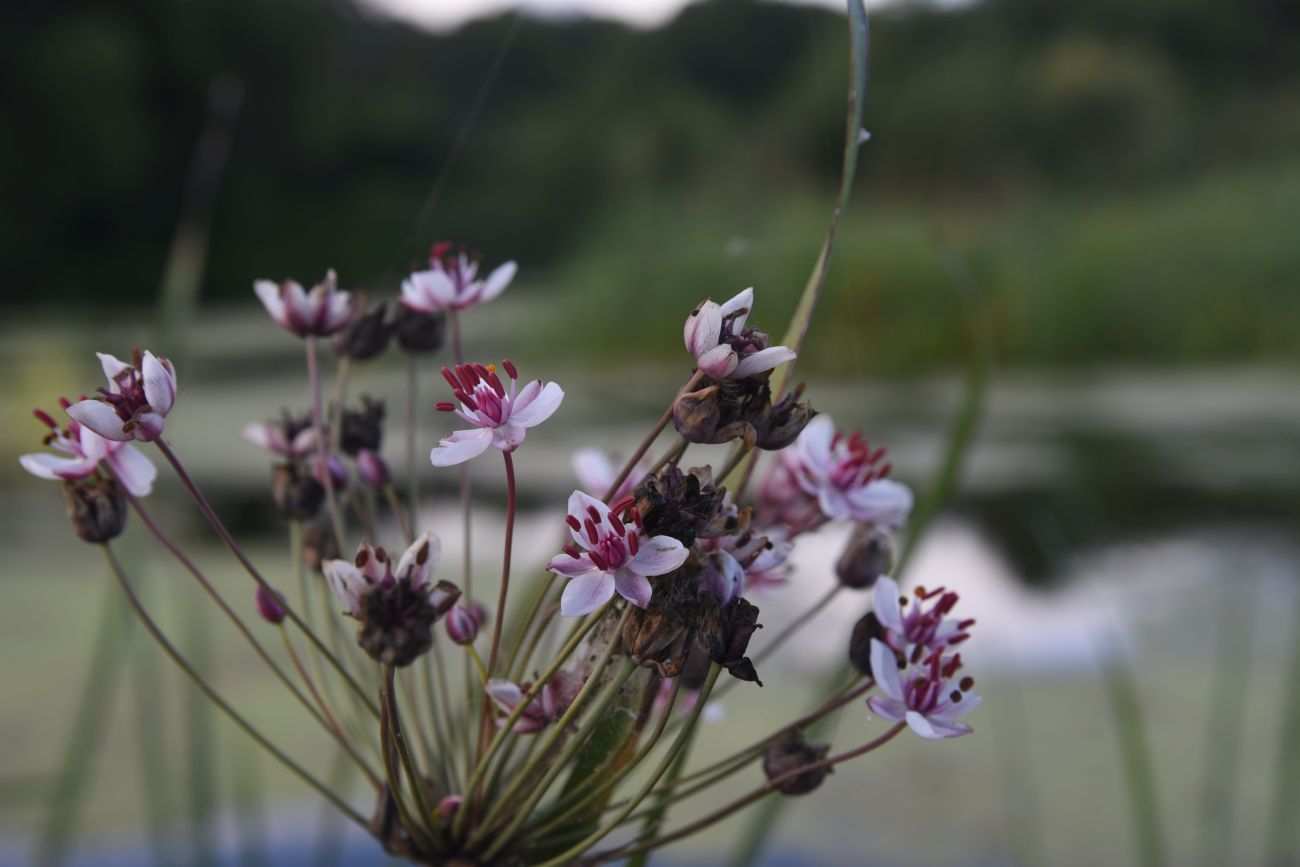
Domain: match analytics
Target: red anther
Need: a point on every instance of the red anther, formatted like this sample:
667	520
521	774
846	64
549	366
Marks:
573	522
599	561
510	369
572	550
465	398
617	524
138	357
622	504
595	515
451	379
632	544
884	470
958	639
636	518
64	402
363	557
468	375
963	625
45	419
876	455
917	652
444	406
481	370
439	251
954	696
495	381
591	531
967	684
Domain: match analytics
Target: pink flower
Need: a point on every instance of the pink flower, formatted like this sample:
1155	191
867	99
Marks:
782	502
450	282
715	334
927	695
617	557
847	477
909	625
499	415
85	449
319	313
372	569
135	402
549	705
289	437
596	472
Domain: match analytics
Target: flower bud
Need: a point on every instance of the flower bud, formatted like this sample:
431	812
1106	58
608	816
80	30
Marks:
297	495
420	332
270	605
867	556
697	415
332	472
371	469
787	756
780	424
362	429
366	336
96	509
864	630
462	624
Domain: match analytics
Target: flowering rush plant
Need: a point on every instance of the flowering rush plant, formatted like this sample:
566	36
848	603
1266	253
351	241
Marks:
550	719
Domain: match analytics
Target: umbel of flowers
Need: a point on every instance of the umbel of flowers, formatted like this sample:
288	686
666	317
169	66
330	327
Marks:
555	726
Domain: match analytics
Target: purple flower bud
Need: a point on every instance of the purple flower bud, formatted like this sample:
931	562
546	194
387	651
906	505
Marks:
333	473
448	806
270	605
462	625
371	469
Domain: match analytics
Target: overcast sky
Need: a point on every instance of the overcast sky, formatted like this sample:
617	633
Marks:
447	14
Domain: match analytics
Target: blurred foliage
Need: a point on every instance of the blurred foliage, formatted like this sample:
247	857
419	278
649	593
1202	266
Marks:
1122	176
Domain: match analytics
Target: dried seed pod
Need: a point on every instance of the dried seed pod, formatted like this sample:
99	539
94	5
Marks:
678	504
367	335
787	756
420	333
362	429
298	495
726	636
397	624
661	635
96	509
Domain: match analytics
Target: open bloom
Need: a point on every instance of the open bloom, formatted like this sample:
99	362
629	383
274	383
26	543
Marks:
289	437
137	398
499	415
318	313
911	622
610	555
451	284
927	695
596	472
715	334
85	449
848	477
549	705
372	569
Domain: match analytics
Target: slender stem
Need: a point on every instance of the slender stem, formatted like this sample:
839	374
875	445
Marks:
735	806
399	513
224	534
216	699
363	515
520	663
413	776
393	772
336	408
505	563
687	732
412	432
672	456
478	663
322	443
741	452
650	438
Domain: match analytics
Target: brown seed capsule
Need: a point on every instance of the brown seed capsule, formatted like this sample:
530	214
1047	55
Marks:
367	335
864	630
363	429
661	635
726	636
96	509
787	756
297	493
867	556
420	333
778	425
678	504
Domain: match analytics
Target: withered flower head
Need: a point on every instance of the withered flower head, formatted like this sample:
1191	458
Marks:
363	429
367	335
727	638
867	556
678	504
297	493
864	631
787	756
420	333
397	608
720	411
662	635
96	509
779	424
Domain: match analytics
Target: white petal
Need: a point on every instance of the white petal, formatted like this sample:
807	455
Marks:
957	709
884	667
112	366
740	301
135	471
586	593
718	362
539	409
632	587
440	292
347	582
887	708
579	504
833	502
159	383
702	328
100	418
921	726
570	567
763	360
504	694
658	555
409	566
93	446
883	502
266	435
272	300
338	312
460	446
44	465
884	599
815	444
498	280
594	469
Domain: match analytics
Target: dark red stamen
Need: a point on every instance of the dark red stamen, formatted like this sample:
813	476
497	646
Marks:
599	561
451	378
636	518
591	531
632	544
45	419
444	406
573	522
572	550
510	369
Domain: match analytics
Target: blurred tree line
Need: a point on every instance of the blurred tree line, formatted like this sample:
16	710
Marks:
733	107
